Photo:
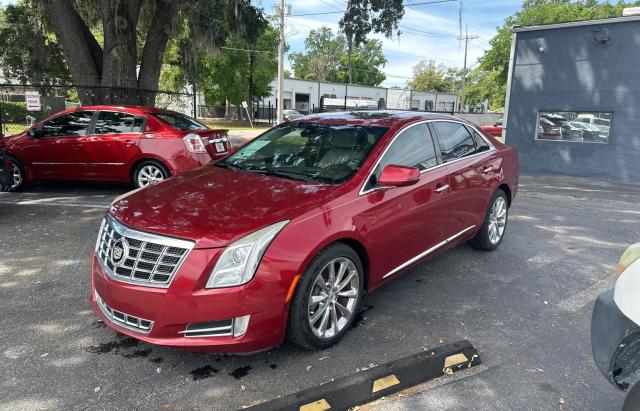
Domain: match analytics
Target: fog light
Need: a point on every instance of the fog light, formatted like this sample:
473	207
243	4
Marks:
240	325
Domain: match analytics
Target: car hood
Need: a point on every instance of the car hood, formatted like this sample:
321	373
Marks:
214	206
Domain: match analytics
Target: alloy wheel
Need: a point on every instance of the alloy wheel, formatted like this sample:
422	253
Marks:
333	298
497	220
17	177
149	174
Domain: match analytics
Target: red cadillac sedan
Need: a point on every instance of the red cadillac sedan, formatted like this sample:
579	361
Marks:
127	144
283	238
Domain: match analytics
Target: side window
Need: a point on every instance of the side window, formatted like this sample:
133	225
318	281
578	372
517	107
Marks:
455	140
413	148
110	122
72	124
481	143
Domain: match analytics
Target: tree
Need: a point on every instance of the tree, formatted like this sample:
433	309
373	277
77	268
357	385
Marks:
27	52
326	58
494	64
129	58
429	76
366	16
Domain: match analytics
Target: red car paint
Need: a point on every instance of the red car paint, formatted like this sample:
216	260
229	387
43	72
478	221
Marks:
213	207
494	130
110	157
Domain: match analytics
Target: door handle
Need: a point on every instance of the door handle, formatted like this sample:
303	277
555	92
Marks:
441	188
488	169
128	143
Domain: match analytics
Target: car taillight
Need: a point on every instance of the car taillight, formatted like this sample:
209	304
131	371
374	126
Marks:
194	143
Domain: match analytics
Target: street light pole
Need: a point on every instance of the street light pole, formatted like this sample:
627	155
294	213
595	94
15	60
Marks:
281	45
467	38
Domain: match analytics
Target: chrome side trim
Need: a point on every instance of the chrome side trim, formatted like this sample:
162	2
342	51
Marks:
107	164
492	148
429	251
57	164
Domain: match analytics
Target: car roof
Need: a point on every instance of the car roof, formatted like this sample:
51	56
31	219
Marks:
125	107
380	118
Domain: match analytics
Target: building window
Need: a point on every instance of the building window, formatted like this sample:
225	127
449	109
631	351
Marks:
574	126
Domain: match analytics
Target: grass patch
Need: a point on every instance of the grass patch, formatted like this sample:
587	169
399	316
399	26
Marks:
9	129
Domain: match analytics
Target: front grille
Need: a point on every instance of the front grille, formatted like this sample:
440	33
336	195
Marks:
124	320
140	258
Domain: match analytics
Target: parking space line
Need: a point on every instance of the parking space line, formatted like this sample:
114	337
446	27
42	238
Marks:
587	296
55	202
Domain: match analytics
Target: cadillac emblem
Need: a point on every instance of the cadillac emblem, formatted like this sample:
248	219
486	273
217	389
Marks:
117	252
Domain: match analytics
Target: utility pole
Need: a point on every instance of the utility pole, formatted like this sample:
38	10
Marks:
281	11
467	38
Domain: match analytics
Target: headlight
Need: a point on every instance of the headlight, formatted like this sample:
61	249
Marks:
238	263
629	257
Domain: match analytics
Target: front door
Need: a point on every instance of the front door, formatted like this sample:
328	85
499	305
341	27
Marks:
113	145
58	151
469	160
420	211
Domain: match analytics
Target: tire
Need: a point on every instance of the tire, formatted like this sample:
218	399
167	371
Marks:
18	175
301	328
493	228
149	172
632	401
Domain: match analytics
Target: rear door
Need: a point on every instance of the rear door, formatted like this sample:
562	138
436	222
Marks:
113	145
59	150
406	222
471	166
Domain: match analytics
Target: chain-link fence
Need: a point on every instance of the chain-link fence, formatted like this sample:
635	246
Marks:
260	112
18	109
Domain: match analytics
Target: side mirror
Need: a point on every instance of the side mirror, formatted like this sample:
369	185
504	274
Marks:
35	132
398	176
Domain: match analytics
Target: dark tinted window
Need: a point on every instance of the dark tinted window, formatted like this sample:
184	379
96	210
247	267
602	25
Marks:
308	151
481	143
72	124
180	121
412	148
455	140
110	122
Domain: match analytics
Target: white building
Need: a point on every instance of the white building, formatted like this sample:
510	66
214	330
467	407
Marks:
305	96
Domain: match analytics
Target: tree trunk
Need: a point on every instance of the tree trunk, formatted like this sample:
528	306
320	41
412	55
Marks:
119	22
82	52
154	48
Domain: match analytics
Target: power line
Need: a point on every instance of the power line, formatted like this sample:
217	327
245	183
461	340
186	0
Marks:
341	12
249	50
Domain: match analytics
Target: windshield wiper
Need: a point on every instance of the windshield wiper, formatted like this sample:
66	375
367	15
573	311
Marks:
226	165
285	174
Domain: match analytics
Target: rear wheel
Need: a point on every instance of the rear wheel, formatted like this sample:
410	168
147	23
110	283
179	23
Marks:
495	223
149	172
327	298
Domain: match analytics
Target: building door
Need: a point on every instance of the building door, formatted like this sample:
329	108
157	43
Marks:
302	103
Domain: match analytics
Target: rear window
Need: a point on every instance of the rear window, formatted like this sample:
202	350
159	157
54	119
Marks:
180	121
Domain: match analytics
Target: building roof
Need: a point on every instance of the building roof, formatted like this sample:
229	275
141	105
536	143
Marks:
578	23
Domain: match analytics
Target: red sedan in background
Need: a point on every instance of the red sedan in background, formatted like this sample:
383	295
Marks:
285	236
128	144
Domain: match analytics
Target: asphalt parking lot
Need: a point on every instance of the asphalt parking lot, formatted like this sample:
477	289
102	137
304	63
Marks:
526	307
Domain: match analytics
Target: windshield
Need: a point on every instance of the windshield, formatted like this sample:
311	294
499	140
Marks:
180	121
308	151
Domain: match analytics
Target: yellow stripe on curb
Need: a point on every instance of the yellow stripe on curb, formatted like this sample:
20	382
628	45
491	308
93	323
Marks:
455	359
384	383
320	405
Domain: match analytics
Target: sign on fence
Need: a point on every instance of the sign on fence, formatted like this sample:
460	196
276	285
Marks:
33	100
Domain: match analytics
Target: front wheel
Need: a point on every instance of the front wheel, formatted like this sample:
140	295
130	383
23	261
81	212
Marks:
495	223
17	175
327	298
149	172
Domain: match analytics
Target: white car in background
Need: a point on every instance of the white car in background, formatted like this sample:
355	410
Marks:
615	329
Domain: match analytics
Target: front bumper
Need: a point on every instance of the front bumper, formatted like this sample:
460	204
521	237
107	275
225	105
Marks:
615	341
186	301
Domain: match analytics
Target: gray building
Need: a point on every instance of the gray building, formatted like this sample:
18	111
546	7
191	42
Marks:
573	98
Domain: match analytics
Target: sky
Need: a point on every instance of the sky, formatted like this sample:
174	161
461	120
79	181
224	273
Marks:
440	22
